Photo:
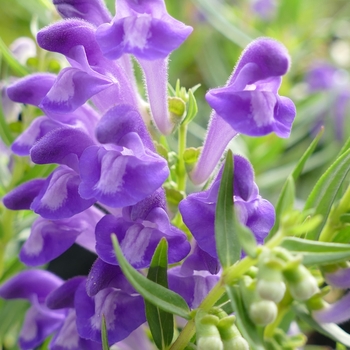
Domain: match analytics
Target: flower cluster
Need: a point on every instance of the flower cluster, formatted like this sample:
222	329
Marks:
109	177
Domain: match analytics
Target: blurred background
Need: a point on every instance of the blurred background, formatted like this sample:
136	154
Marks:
317	36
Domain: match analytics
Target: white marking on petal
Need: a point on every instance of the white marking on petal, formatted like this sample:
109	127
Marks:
261	108
30	328
56	193
136	31
112	172
68	336
105	304
250	87
63	89
30	135
135	243
35	243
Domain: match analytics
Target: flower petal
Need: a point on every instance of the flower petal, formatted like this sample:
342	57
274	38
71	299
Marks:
123	313
59	198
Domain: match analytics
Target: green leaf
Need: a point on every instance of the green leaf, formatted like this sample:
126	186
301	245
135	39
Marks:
245	237
16	67
286	199
246	326
330	330
317	253
164	298
192	109
326	189
227	244
104	335
5	131
161	323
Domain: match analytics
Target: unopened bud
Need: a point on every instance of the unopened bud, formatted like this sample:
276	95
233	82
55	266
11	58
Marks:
208	336
237	343
302	285
271	290
263	312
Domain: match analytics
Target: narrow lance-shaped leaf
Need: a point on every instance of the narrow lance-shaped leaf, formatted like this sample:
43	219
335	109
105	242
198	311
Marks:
326	189
317	253
164	298
227	244
104	336
161	323
287	195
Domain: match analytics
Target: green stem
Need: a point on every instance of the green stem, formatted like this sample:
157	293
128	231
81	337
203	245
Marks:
330	228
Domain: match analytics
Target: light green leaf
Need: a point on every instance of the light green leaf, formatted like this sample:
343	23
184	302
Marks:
161	323
286	199
326	189
192	108
164	298
227	244
317	253
104	335
17	68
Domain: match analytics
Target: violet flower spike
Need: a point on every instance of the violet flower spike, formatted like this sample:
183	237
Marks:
148	32
249	103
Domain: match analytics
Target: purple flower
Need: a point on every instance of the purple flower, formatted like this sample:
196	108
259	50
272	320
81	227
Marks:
93	11
139	231
198	209
147	31
40	322
265	9
249	103
108	293
195	277
50	238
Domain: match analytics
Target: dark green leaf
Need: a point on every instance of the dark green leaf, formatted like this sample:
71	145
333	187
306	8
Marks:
326	189
246	326
164	298
330	330
317	253
5	132
286	199
104	335
227	244
161	323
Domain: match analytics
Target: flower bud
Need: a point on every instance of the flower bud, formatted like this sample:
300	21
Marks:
230	335
208	336
270	284
302	285
271	290
263	312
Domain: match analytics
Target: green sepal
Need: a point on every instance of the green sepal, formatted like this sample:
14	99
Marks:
104	336
286	199
330	330
325	191
190	157
176	107
317	253
227	244
247	328
160	296
161	323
